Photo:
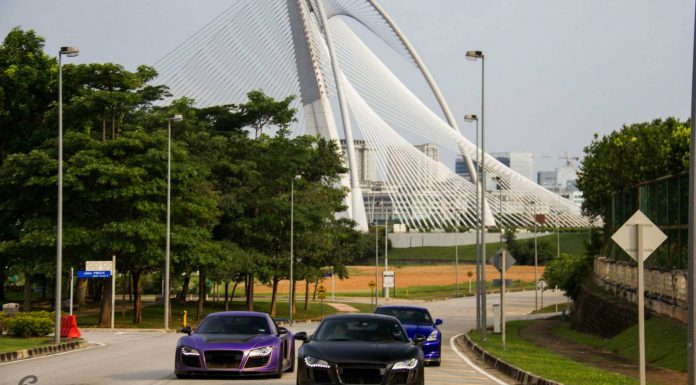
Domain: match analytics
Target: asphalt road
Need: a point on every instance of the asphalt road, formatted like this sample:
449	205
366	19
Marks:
139	357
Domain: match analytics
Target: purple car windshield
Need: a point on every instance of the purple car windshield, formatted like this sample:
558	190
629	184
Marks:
231	324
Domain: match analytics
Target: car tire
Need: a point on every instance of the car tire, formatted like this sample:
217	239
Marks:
292	362
435	363
421	379
279	373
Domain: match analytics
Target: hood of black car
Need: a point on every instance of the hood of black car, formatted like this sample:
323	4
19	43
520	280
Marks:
363	352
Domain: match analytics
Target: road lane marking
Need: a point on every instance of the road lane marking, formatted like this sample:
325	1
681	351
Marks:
473	365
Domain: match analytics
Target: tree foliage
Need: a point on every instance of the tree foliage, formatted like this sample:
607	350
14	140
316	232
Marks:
636	153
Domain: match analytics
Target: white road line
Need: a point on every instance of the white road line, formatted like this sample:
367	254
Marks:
99	344
473	365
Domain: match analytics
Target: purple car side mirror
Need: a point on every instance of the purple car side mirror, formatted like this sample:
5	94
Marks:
186	329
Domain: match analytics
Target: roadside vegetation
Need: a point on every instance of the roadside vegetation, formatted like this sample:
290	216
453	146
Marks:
665	342
544	363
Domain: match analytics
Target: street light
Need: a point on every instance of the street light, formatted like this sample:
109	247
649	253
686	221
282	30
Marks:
292	246
175	118
499	185
536	279
474	118
456	253
69	52
376	203
386	244
475	55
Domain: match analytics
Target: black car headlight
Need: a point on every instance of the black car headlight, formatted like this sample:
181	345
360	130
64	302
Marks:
312	362
432	336
261	352
188	352
405	365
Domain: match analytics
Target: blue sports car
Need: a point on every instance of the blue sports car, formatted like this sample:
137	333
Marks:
235	343
417	321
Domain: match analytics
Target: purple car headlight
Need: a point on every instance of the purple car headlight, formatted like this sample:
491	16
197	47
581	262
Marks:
189	352
261	352
432	336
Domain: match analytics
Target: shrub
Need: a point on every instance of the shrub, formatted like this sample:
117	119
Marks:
568	272
32	324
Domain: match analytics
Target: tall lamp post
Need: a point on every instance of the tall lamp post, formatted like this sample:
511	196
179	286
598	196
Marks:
499	183
536	258
386	244
456	253
175	118
475	55
69	52
474	118
292	246
376	203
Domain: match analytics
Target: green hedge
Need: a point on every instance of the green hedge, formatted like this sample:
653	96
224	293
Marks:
31	324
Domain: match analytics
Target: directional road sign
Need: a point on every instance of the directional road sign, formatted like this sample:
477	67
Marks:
93	274
626	236
497	260
388	279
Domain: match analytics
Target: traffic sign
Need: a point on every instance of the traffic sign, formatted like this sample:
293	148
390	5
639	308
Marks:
321	289
497	260
93	274
371	284
387	279
99	266
627	236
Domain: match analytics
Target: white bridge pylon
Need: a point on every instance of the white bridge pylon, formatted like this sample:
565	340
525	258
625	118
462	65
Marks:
281	47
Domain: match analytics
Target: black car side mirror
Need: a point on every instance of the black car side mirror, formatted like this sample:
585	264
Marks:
418	339
186	329
282	330
438	322
302	336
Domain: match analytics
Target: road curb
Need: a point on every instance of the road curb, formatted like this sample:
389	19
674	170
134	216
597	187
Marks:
519	375
41	351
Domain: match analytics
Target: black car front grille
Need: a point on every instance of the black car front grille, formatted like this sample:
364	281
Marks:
361	375
321	375
399	378
257	362
223	359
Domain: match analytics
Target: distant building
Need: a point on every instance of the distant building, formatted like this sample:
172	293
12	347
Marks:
366	161
430	150
562	181
520	162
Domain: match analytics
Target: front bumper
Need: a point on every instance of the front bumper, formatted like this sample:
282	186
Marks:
432	350
244	366
358	374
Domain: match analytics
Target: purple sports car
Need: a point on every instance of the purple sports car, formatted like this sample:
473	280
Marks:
237	343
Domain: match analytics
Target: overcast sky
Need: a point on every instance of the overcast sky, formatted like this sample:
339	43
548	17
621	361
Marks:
556	71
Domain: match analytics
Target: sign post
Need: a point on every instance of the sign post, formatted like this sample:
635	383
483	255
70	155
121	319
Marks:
639	237
502	261
103	269
322	295
372	285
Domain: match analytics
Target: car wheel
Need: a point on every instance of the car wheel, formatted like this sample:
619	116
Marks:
292	362
279	373
435	363
421	379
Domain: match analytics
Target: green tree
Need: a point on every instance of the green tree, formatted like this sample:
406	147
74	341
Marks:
634	154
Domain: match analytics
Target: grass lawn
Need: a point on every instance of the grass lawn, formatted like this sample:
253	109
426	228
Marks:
550	308
665	342
11	344
571	243
539	361
153	315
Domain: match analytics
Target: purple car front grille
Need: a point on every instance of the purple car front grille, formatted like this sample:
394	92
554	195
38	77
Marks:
223	359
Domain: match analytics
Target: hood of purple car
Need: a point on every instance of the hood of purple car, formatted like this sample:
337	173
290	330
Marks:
228	341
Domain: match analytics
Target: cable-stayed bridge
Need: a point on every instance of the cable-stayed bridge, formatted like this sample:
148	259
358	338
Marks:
315	49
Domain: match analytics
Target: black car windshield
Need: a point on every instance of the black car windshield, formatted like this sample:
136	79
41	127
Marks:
407	316
231	324
361	329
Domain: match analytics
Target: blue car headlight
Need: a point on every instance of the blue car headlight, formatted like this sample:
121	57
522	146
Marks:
312	362
188	352
405	365
432	336
261	352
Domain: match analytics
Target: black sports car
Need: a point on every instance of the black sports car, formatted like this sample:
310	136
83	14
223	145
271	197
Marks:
360	349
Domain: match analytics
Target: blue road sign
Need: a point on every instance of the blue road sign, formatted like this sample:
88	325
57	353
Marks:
93	274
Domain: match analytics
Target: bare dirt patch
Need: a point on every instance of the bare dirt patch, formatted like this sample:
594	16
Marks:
409	276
